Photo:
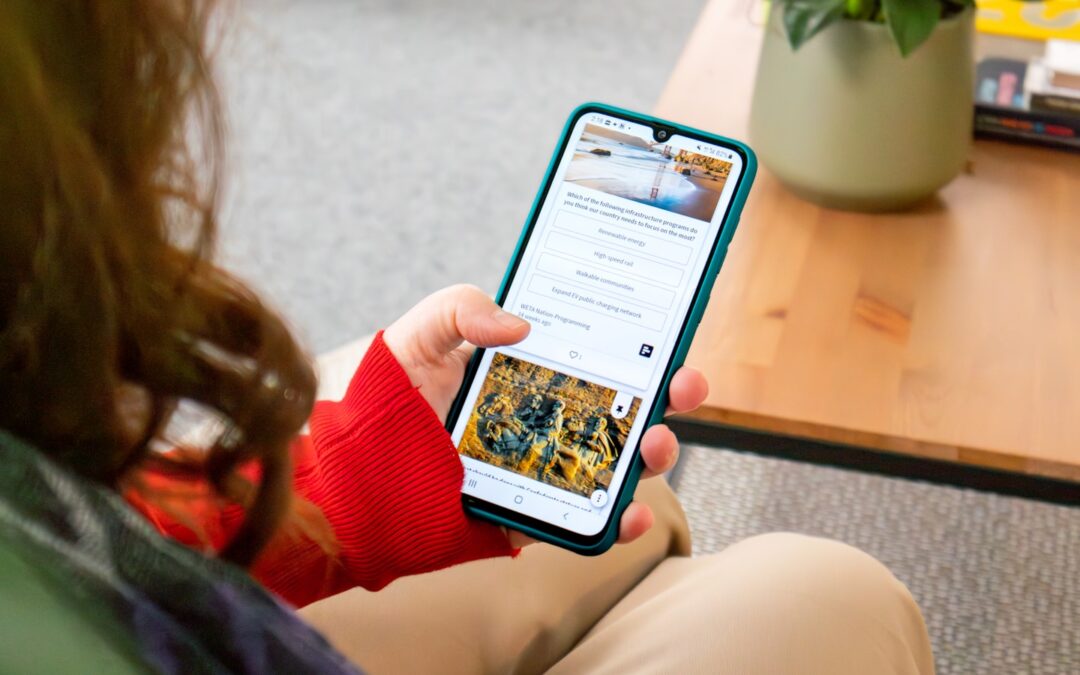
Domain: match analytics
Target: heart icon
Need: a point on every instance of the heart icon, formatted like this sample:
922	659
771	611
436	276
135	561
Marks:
574	355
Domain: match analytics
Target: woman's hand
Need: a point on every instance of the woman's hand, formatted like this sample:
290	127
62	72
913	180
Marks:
434	340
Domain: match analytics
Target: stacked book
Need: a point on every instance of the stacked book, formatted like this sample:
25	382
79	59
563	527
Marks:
1034	102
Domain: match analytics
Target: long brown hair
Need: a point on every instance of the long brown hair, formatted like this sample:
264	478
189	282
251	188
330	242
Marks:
111	313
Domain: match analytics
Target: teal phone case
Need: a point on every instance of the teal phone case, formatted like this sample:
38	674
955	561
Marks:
607	537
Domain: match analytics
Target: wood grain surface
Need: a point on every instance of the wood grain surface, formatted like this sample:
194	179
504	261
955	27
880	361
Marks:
951	331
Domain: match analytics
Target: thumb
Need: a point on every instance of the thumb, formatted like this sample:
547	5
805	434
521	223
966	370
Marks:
439	323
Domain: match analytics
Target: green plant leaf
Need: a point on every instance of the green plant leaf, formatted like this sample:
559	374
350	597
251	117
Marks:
803	19
911	21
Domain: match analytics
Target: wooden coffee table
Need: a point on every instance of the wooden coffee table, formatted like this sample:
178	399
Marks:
942	343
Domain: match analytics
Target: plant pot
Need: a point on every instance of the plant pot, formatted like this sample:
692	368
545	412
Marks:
848	123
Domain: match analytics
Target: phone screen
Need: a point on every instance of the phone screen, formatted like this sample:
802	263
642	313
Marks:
611	264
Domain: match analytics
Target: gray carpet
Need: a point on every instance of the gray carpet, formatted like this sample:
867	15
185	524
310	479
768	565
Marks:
998	578
384	149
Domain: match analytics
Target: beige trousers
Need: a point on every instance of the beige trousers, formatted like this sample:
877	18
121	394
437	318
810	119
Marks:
776	603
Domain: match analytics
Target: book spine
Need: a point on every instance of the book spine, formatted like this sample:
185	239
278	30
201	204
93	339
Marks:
1054	103
1026	127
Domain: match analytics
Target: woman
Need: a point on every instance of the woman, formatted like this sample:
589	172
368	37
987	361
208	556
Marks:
122	548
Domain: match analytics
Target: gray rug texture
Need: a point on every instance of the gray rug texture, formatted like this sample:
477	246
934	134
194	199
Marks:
997	578
383	149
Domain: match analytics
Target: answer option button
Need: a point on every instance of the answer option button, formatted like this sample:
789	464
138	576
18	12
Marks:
587	273
622	237
597	303
610	257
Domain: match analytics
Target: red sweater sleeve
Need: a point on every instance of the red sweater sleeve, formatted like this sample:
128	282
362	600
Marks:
386	476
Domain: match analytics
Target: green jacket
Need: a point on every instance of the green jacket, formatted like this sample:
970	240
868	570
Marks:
44	628
88	586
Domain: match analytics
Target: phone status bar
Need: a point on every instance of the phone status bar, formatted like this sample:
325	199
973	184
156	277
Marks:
621	125
713	151
646	132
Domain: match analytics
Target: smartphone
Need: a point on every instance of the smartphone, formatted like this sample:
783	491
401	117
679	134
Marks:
613	270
